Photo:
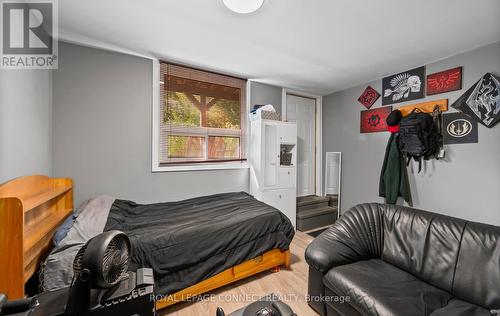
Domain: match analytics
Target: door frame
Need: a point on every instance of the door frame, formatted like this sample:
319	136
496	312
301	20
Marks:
318	161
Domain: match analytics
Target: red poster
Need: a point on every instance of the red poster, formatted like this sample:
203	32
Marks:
368	97
374	120
444	81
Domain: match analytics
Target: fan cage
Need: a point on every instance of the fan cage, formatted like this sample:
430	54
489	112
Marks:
115	259
77	263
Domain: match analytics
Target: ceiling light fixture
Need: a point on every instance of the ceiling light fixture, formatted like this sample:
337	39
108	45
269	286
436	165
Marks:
243	6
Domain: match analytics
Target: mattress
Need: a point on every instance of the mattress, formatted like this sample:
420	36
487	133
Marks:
183	242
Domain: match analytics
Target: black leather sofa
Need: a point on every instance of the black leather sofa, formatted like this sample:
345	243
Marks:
394	260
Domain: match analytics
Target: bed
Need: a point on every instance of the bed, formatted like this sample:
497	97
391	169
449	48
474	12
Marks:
193	246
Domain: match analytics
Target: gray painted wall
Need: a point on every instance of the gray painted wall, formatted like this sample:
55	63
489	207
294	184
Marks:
466	184
263	94
102	132
25	123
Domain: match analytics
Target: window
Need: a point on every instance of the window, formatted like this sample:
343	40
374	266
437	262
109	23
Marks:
202	116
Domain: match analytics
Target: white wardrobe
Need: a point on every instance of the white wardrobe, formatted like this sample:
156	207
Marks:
273	177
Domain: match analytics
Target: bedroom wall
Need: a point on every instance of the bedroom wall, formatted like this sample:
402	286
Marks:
25	123
263	94
466	184
102	132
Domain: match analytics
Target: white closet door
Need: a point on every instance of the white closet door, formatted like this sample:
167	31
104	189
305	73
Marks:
303	111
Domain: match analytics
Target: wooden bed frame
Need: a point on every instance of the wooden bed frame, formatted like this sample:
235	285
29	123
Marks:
272	259
31	209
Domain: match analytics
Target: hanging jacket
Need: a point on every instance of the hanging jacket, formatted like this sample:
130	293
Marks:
394	177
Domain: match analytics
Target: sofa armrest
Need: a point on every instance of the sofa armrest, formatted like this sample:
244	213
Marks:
357	235
324	253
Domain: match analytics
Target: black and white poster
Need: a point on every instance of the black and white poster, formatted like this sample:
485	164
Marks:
482	100
459	128
405	86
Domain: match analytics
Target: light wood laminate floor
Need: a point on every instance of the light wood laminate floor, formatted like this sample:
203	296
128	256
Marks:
290	284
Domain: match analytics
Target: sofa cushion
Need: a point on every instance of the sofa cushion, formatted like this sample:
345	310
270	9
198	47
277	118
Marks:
457	307
338	307
422	243
379	288
477	277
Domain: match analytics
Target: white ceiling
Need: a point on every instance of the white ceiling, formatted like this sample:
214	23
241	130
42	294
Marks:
318	46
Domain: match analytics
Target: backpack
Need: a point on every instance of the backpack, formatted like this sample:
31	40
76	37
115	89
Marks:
420	135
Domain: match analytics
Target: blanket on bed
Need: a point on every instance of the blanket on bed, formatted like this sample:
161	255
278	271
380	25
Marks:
183	242
188	241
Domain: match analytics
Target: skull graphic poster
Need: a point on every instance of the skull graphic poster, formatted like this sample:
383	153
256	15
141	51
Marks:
459	128
405	86
482	100
374	120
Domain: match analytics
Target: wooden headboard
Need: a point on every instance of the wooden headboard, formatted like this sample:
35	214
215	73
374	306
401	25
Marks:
31	209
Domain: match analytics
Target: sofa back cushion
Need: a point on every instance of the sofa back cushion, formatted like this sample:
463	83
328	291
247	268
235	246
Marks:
477	277
422	243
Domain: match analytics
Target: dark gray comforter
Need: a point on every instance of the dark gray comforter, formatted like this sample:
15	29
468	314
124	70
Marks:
188	241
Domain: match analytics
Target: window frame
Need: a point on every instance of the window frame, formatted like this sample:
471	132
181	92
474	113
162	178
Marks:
186	165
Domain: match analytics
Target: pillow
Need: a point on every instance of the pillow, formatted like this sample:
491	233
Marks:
62	230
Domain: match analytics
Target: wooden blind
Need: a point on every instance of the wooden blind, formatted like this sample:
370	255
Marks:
202	116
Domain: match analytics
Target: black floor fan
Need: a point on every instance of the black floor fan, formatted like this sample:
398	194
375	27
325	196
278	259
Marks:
99	264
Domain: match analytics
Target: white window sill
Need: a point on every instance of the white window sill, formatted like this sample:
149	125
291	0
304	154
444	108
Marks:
201	167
